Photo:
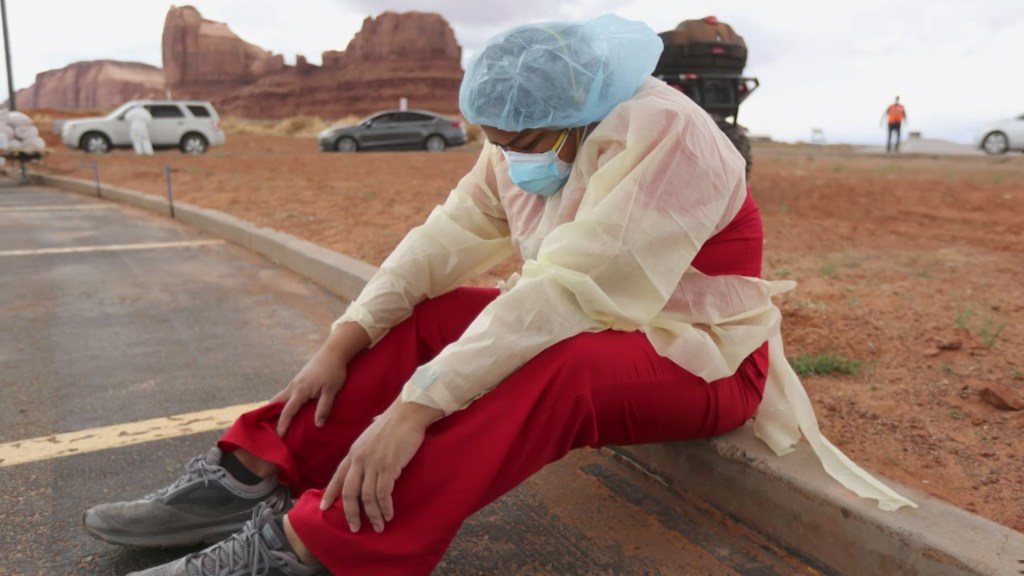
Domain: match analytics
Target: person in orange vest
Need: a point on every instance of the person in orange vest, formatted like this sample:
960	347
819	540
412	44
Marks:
896	115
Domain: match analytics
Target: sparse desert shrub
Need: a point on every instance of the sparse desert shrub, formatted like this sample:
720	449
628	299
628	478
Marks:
300	126
296	126
823	365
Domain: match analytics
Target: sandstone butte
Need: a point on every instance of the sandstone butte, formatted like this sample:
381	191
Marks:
412	55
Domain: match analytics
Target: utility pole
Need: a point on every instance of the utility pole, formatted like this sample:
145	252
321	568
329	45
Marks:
11	105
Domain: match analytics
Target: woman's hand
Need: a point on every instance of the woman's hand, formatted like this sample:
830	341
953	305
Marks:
322	377
375	462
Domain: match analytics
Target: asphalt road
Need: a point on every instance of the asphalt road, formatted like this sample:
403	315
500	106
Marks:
110	316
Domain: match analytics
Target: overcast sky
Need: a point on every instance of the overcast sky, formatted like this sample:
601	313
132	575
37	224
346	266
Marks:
828	64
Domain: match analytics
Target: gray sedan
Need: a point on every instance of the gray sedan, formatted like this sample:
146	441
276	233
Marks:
395	130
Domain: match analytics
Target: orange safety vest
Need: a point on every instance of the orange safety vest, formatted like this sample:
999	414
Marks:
895	113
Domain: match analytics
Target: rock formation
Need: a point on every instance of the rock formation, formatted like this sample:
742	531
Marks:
98	85
205	59
394	37
411	55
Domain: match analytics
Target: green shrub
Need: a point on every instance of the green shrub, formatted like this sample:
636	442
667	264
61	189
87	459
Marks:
823	365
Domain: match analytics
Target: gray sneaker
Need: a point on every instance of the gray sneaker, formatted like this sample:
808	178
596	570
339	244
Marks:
259	548
204	505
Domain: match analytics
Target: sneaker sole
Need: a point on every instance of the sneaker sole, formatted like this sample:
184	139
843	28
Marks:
205	535
210	534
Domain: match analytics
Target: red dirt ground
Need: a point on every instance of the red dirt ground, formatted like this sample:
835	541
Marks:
912	266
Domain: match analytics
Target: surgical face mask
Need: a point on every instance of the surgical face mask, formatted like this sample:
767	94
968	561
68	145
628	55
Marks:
541	174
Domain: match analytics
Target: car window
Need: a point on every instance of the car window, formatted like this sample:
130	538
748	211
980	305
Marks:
385	119
199	111
415	117
165	111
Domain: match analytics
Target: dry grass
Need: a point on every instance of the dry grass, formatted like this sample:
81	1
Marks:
474	135
297	126
43	118
309	126
55	114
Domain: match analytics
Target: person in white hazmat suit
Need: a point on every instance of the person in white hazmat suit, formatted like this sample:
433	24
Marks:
138	119
638	316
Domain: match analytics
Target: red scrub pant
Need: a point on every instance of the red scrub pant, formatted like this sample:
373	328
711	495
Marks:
590	390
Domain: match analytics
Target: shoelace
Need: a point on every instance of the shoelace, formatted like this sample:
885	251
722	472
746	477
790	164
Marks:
246	549
198	467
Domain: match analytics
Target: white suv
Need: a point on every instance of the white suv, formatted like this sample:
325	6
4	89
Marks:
189	125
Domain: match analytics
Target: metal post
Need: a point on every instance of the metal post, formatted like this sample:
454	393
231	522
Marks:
96	177
167	178
11	105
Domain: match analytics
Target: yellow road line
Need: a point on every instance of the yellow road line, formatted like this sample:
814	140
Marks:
46	208
111	248
104	438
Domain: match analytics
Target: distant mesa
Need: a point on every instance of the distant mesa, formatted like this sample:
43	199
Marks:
95	85
412	55
205	56
394	55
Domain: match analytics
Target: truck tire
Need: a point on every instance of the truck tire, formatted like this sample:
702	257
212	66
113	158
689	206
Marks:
739	140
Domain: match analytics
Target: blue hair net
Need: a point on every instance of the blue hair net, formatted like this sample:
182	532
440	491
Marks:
557	74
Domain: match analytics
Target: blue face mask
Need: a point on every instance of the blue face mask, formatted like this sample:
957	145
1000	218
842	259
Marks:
541	174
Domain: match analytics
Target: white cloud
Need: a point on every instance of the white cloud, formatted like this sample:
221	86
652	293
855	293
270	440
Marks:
829	65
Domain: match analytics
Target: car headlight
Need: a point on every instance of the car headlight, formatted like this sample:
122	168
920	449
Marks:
325	134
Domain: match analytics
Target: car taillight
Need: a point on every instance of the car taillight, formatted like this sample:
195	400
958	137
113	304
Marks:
216	123
691	76
710	20
456	124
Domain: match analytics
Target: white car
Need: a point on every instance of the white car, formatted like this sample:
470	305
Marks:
189	125
1002	136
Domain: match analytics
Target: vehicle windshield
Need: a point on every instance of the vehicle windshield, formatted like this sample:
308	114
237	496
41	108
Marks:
119	111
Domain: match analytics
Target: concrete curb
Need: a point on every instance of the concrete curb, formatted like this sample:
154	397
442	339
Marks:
793	502
790	500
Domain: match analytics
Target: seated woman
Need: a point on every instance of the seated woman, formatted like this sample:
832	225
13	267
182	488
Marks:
639	316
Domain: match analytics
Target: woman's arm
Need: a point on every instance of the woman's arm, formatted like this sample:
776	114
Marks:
665	188
461	239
